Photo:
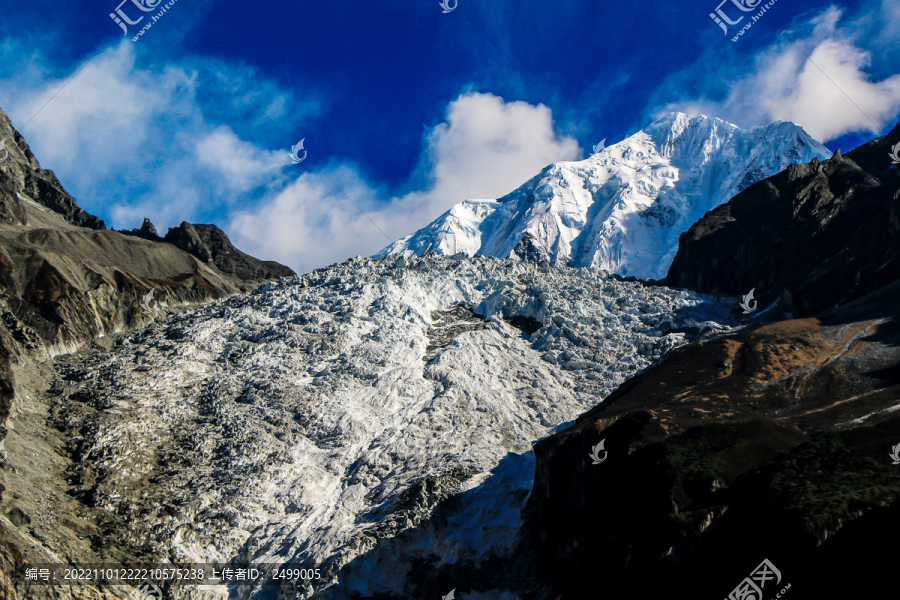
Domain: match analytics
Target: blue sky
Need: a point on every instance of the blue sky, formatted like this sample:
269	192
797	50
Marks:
405	110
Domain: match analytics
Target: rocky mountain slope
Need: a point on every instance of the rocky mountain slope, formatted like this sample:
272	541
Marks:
836	237
623	208
66	280
371	418
762	444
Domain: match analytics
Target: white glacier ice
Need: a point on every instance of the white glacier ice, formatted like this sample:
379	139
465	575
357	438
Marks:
320	418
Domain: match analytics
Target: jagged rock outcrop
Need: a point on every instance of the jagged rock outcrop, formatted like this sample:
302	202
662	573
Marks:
210	244
146	231
20	173
816	235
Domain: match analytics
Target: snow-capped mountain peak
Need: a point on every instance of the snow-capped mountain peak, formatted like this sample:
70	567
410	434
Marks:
623	208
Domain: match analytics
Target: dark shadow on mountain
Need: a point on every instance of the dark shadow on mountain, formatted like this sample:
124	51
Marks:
817	235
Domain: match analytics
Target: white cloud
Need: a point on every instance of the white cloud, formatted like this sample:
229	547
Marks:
819	81
310	223
845	100
236	163
139	141
485	149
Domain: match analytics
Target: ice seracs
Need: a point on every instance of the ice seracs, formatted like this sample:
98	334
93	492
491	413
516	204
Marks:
321	419
623	208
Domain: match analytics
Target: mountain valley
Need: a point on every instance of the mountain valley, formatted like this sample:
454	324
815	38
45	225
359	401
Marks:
493	407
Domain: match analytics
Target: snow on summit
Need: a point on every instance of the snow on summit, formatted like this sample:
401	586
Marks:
623	208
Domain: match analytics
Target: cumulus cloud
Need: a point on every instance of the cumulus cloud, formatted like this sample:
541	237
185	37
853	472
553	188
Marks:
135	141
311	222
236	164
486	148
816	77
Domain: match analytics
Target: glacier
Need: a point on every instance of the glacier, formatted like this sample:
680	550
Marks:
325	418
622	209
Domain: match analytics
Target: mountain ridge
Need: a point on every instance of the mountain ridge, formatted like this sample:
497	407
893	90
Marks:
623	208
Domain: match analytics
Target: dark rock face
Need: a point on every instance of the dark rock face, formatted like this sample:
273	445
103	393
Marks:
21	173
146	231
11	210
210	244
760	444
816	235
45	186
7	392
